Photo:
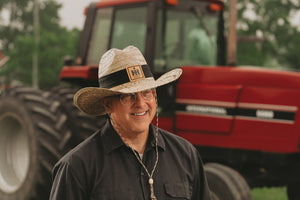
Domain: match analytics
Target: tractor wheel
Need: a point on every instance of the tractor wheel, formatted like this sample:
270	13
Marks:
226	183
81	125
293	191
33	136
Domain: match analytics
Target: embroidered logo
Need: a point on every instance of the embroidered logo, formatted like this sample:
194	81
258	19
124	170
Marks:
135	73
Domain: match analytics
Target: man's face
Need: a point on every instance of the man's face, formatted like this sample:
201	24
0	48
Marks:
133	118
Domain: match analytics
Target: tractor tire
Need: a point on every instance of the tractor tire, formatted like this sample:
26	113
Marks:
293	191
33	136
81	125
225	183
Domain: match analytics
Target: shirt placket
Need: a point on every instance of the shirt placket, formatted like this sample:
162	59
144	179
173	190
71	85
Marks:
148	160
144	184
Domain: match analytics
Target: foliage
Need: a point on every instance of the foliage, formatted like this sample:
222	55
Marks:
274	193
18	43
15	25
270	20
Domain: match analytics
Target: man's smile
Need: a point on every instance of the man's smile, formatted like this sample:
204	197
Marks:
139	114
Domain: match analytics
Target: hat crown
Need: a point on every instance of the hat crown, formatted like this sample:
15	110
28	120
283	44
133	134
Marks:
115	60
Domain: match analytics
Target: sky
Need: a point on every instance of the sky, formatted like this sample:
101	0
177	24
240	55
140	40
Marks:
72	15
72	12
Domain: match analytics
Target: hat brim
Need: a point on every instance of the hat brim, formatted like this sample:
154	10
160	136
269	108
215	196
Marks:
88	99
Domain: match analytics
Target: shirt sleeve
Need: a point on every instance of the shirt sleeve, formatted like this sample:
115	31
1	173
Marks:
67	184
201	189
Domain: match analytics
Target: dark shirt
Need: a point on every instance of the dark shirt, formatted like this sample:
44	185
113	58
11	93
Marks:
104	168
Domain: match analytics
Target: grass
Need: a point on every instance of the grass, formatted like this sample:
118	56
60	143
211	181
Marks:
273	193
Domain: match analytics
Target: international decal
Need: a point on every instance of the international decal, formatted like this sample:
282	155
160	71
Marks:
135	73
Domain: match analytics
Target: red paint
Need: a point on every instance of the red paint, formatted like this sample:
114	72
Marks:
107	3
243	88
79	72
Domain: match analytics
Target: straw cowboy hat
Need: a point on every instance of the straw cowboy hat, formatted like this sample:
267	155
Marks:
120	71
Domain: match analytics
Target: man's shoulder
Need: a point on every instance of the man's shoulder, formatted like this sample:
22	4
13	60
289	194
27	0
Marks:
84	150
178	147
175	140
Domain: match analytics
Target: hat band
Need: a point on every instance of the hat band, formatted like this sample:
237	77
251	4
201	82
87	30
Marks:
129	74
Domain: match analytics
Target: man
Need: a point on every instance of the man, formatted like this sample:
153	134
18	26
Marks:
129	158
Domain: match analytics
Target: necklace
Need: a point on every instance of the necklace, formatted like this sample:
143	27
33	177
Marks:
150	181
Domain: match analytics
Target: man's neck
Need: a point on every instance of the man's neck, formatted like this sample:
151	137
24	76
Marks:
137	141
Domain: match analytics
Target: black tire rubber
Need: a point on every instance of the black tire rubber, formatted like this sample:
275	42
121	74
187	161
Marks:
293	191
33	137
226	183
81	125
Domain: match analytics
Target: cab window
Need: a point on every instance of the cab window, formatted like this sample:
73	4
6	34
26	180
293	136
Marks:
129	28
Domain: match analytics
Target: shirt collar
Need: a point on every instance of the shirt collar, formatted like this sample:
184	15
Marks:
151	138
112	141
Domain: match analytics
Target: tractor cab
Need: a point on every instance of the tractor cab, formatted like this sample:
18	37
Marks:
169	33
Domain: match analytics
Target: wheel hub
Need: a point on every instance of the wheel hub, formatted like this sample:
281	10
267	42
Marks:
14	153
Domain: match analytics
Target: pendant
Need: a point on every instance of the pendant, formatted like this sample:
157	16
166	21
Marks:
151	181
152	196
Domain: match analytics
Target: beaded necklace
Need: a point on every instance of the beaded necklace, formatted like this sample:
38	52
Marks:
150	181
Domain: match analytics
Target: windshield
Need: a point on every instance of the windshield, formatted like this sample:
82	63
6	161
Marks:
187	38
127	29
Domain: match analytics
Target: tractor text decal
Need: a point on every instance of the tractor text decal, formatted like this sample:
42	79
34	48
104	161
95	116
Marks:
254	113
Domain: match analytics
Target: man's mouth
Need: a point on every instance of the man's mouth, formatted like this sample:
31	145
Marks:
139	114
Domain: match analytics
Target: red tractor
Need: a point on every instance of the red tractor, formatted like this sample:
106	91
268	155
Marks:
243	120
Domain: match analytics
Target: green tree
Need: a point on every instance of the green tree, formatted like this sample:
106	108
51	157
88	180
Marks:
55	43
271	21
15	22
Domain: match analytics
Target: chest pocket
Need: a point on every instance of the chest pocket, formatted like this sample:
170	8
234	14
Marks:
177	191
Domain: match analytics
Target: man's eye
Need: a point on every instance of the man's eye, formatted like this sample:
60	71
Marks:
147	92
126	96
132	96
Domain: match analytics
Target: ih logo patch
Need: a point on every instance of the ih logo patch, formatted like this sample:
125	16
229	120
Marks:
135	73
